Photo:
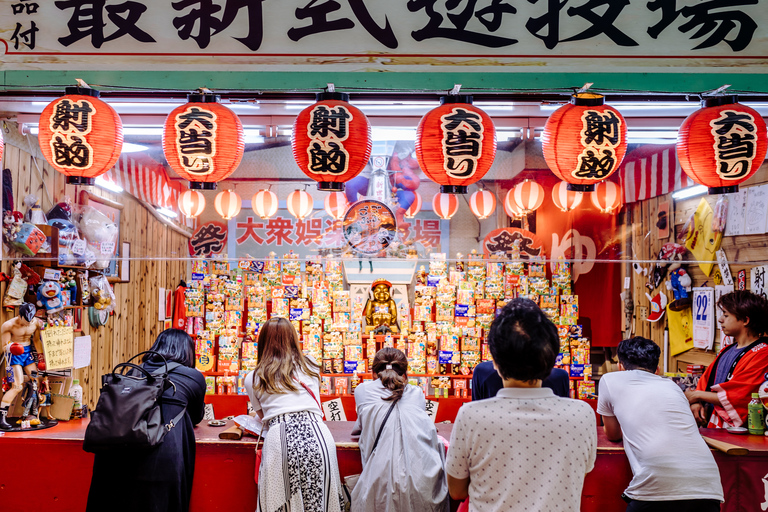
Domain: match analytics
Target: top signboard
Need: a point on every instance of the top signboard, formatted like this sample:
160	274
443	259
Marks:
364	35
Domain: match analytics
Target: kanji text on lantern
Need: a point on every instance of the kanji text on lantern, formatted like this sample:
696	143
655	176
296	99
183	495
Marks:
328	129
734	142
196	140
600	136
462	142
70	123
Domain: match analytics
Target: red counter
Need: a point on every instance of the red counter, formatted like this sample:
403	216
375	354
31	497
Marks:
50	471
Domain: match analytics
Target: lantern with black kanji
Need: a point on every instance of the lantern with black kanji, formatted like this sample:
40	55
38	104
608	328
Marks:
565	199
191	203
203	141
584	141
331	141
80	135
300	204
415	206
606	197
722	144
336	205
227	204
455	144
264	203
445	205
482	203
527	195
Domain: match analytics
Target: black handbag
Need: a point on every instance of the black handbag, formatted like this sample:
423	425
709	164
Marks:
129	411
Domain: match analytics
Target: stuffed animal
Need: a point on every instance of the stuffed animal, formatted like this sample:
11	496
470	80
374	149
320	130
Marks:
100	300
49	295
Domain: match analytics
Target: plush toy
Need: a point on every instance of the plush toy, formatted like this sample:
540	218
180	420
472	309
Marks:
100	300
11	225
49	295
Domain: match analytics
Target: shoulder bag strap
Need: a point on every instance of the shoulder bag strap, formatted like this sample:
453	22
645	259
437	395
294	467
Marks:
381	428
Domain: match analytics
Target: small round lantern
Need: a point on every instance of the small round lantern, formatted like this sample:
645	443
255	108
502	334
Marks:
331	141
227	204
565	199
482	203
606	196
203	141
510	207
300	204
445	205
584	141
264	203
336	205
455	144
527	196
415	206
80	135
722	144
191	203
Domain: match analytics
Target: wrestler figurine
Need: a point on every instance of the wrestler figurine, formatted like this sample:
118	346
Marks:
16	339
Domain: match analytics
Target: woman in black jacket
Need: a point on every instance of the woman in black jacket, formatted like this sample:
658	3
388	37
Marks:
160	478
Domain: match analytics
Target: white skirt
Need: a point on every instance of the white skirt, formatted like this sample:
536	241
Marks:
299	471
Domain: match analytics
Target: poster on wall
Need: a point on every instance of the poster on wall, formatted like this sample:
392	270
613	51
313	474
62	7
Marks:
703	317
210	238
513	241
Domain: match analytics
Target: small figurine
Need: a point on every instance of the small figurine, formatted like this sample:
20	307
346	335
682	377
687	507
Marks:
421	276
11	225
68	282
673	254
380	310
16	339
459	263
680	284
49	295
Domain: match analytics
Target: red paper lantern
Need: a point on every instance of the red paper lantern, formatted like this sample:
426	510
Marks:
445	205
191	203
300	204
80	135
482	203
331	141
336	205
415	206
584	141
227	204
203	141
455	144
264	203
606	196
722	144
565	199
510	207
527	196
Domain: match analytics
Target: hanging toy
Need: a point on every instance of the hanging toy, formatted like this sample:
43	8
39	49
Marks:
670	252
679	284
720	214
49	295
658	306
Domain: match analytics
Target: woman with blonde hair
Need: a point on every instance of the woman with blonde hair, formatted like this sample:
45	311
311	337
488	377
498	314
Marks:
403	461
299	471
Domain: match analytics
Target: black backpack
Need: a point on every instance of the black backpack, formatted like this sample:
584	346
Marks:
129	411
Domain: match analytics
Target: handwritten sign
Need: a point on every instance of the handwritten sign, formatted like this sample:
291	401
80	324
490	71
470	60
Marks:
703	317
334	411
432	406
757	280
58	347
82	352
725	271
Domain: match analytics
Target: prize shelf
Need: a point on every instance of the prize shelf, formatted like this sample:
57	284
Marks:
361	375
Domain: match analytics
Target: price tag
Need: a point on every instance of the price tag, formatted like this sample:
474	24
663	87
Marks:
107	248
78	248
627	283
90	260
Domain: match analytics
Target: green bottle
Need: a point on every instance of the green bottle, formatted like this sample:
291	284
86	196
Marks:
756	418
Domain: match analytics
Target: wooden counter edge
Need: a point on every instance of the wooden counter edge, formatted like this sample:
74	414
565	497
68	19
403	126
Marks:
727	448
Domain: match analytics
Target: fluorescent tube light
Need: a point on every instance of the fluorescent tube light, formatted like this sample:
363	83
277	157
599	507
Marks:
167	213
108	185
689	192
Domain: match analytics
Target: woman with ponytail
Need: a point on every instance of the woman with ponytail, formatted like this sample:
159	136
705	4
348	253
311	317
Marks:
403	461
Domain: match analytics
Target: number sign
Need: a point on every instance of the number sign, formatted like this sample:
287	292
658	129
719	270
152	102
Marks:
703	317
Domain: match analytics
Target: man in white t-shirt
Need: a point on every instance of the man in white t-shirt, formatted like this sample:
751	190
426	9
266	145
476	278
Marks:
673	469
525	450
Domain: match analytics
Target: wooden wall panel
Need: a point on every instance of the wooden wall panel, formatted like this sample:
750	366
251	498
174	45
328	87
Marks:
134	325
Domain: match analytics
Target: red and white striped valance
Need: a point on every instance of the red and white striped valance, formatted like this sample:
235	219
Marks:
147	180
651	170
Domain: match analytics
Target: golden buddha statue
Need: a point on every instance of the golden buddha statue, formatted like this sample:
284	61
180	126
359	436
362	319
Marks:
380	310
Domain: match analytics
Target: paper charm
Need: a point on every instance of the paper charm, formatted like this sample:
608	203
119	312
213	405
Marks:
658	306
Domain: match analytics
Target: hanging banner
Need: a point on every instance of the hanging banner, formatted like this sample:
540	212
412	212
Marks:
479	36
703	317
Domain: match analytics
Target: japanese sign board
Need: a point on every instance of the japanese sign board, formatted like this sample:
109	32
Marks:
122	34
703	317
757	280
432	406
334	411
58	347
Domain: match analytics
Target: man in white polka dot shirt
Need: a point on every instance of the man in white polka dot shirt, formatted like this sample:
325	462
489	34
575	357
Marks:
526	449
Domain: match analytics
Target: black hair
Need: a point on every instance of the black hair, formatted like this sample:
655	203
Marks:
176	346
393	378
747	305
523	341
639	353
